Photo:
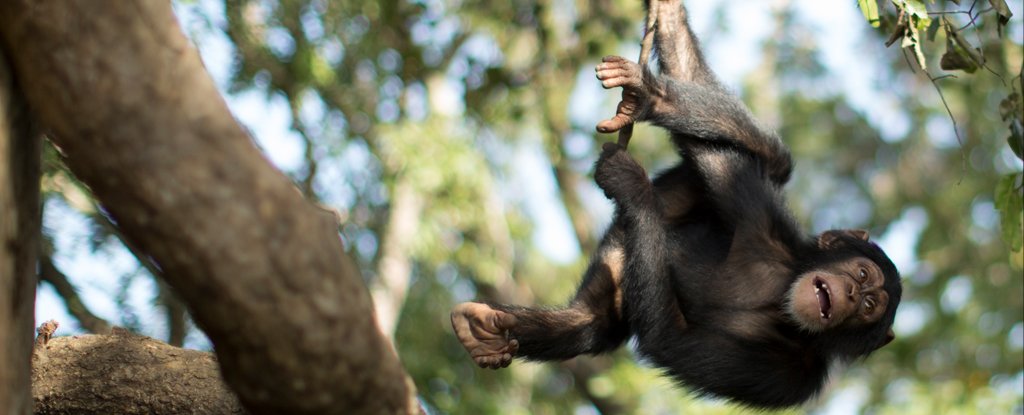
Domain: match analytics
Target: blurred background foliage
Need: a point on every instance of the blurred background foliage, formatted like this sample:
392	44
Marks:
456	139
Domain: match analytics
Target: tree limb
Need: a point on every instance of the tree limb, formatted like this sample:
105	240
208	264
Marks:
394	269
123	373
51	274
128	102
177	312
20	149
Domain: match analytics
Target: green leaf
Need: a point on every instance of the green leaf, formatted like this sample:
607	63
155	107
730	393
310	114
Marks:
1003	10
914	20
1016	138
870	10
956	44
956	58
916	12
933	29
1011	111
1010	202
914	7
911	40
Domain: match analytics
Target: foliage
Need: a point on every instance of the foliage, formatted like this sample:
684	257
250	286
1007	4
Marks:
912	17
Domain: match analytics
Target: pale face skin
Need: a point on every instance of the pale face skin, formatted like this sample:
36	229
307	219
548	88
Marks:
847	293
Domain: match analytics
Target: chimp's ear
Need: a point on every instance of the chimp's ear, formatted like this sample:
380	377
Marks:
831	239
889	336
858	233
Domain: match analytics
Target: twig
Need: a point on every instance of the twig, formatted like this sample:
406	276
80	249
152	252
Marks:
45	332
956	128
312	165
648	42
900	31
978	56
981	44
974	17
626	133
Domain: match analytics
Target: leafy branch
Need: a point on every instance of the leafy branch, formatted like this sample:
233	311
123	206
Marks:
908	20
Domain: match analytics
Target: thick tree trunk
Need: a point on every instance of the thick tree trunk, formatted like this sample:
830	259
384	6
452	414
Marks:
130	105
19	244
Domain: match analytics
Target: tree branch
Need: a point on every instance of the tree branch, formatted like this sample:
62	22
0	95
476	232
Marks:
90	322
129	103
177	311
395	266
20	150
123	373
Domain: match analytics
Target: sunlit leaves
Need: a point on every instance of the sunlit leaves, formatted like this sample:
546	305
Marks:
1010	203
1008	192
321	70
913	18
870	10
960	54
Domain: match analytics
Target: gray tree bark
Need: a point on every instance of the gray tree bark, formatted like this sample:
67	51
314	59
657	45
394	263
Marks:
19	243
124	96
124	373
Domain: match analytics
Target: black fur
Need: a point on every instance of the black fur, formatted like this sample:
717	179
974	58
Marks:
705	296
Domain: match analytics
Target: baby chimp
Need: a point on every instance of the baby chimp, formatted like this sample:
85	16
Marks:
705	265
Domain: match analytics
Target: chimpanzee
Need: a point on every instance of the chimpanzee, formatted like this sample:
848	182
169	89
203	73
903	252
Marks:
705	265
